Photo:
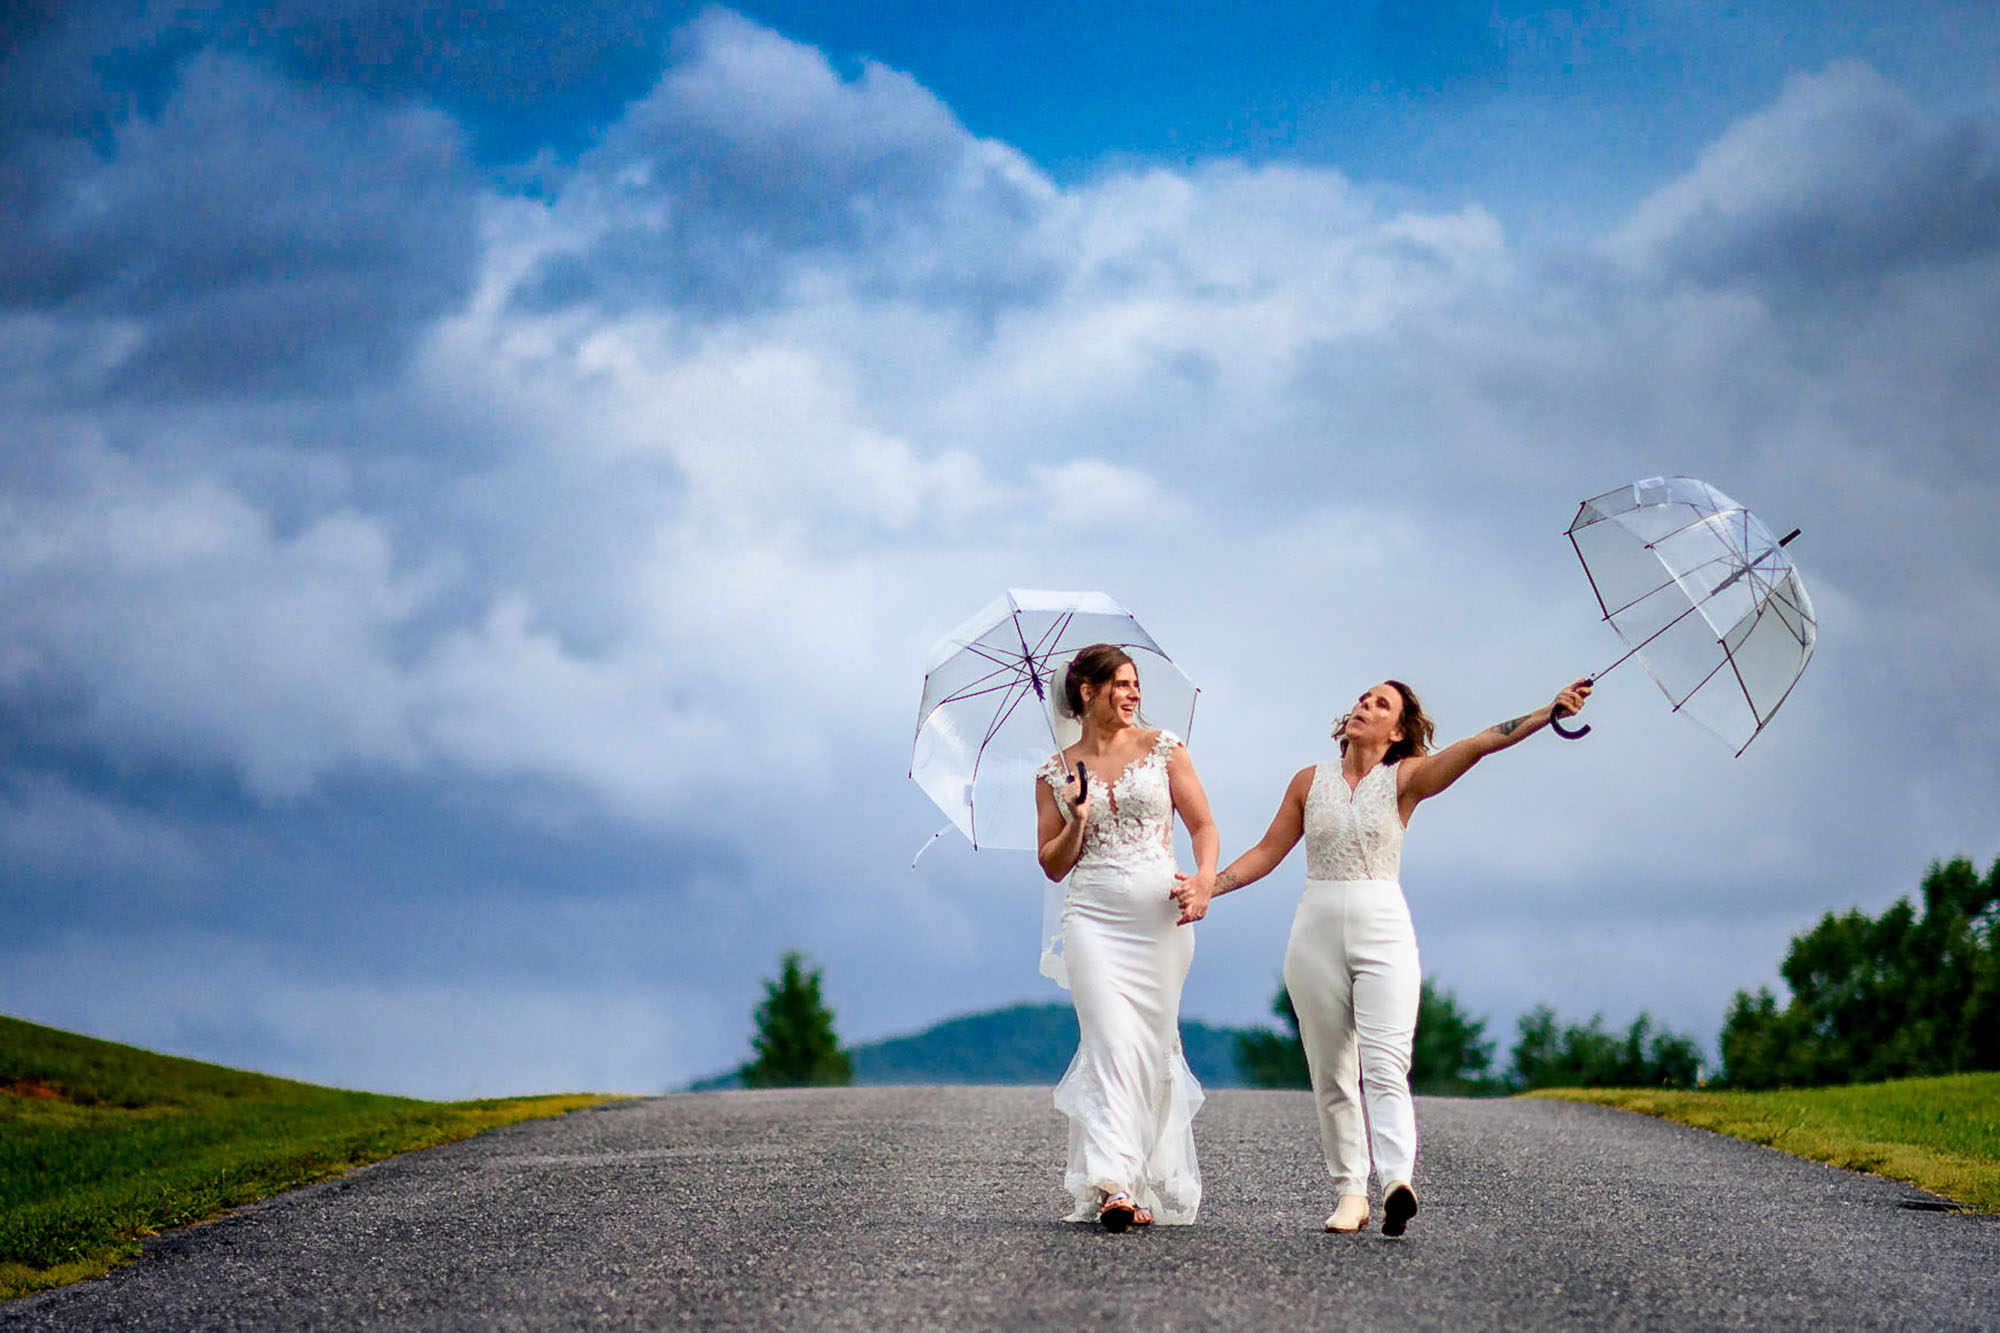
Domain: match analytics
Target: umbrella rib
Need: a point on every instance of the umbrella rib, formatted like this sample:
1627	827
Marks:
1005	665
1692	608
1000	716
1728	660
967	691
964	695
1749	699
1781	698
1749	565
1028	655
1674	581
1781	602
1595	590
997	656
1705	516
979	756
1045	644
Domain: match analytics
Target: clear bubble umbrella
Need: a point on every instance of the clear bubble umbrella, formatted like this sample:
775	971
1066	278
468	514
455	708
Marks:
1703	595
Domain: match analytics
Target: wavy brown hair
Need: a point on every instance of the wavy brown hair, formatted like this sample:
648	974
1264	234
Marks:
1094	666
1418	729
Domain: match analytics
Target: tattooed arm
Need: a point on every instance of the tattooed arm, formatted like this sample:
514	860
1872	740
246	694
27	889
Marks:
1287	826
1421	778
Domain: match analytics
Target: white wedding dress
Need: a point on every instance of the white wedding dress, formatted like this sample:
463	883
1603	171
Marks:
1129	1094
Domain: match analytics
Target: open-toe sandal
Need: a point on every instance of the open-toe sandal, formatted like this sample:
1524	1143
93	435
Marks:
1119	1212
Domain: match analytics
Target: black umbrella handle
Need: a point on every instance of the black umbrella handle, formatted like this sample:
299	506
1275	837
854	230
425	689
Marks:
1556	715
1082	784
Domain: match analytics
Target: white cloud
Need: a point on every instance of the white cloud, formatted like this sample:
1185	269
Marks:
249	235
175	625
752	167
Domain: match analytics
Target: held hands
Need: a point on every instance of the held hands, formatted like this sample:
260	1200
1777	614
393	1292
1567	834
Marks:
1192	893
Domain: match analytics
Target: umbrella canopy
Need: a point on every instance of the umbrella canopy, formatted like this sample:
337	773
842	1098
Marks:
1702	593
989	718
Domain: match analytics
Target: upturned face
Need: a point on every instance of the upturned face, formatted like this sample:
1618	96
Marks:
1116	701
1377	718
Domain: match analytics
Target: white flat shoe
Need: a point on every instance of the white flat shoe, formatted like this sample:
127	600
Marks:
1399	1205
1350	1215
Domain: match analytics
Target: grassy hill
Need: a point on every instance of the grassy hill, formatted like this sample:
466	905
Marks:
1026	1043
102	1144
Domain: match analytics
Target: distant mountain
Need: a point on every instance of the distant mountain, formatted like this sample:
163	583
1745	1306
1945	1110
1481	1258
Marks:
1027	1043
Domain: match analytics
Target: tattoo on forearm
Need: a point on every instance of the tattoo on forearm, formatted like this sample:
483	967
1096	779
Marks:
1225	881
1513	725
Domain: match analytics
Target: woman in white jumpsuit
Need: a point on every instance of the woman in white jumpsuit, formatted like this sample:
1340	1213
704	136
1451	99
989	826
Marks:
1351	964
1106	807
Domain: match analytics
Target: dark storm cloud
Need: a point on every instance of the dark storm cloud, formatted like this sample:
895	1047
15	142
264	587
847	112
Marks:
244	234
373	880
521	78
754	162
1838	184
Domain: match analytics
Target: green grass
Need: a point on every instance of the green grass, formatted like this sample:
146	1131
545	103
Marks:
102	1144
1940	1134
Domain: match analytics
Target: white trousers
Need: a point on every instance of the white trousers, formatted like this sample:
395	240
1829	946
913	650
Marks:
1353	974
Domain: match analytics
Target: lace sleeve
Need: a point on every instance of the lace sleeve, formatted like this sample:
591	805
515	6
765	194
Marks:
1053	771
1165	744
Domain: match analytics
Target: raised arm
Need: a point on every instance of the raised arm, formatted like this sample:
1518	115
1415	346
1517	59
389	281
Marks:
1423	777
1287	827
1058	841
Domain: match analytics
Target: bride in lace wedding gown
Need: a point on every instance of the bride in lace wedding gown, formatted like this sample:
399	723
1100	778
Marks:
1106	807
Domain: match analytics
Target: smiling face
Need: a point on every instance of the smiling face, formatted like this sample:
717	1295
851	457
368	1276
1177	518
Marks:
1377	718
1116	702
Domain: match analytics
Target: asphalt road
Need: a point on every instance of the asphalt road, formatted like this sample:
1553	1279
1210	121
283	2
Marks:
897	1207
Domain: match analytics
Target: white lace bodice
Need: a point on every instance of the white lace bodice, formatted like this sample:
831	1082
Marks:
1354	834
1132	824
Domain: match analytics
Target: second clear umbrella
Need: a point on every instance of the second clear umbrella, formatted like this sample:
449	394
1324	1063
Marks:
1703	595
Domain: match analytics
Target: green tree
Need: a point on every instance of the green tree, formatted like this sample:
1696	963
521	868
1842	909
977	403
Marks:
1450	1055
1904	994
1274	1059
795	1041
1550	1054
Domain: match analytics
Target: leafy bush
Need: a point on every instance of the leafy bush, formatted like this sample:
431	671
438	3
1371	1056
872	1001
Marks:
1897	996
1549	1055
1274	1059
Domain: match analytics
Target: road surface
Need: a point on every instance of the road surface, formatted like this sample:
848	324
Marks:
931	1207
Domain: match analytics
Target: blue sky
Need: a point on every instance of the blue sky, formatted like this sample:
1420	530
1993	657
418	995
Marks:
477	493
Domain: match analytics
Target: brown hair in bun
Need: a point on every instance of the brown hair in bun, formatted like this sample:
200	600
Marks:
1094	666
